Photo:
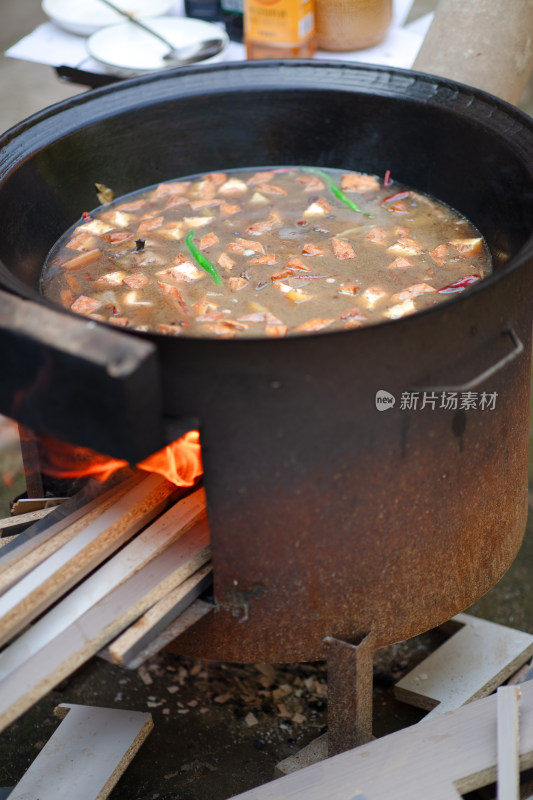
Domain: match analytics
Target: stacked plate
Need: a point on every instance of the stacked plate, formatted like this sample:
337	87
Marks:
123	48
85	17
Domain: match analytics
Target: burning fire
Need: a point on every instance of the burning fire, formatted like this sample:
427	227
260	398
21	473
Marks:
180	462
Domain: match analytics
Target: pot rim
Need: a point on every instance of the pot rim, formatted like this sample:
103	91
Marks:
22	141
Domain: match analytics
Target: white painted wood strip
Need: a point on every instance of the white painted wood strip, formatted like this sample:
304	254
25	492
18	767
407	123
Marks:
471	664
35	544
138	636
85	756
92	630
508	780
441	758
169	527
190	617
41	587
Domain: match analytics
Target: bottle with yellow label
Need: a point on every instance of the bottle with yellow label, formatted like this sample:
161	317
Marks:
279	28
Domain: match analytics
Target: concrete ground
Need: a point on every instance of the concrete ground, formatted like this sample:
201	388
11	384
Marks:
205	745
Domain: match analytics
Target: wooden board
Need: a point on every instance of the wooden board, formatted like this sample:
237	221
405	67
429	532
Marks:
508	779
525	673
471	664
19	522
41	587
25	505
135	639
60	655
5	540
36	543
190	617
438	759
155	539
86	755
316	750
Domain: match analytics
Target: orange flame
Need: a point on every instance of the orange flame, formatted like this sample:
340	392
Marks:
180	462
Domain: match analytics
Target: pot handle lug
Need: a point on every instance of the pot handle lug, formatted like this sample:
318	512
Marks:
518	349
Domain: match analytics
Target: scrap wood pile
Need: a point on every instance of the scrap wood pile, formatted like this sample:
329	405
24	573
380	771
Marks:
294	695
280	703
120	575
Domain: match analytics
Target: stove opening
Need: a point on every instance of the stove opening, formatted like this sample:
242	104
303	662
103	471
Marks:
179	462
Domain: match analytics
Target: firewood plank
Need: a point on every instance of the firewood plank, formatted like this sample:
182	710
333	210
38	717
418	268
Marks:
471	664
168	528
191	615
23	521
62	654
35	544
86	755
143	631
5	540
41	587
24	504
440	758
508	781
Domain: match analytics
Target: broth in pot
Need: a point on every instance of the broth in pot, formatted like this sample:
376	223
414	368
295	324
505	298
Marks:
273	252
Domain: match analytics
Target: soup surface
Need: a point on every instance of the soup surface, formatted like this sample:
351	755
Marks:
271	252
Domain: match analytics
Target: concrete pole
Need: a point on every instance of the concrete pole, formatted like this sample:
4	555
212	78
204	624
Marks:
483	43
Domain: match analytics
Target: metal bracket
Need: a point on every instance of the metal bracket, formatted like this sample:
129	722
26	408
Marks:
350	687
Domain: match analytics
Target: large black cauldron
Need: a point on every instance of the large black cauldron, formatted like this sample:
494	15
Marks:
328	516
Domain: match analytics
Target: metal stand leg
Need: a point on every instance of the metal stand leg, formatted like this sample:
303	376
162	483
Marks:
350	671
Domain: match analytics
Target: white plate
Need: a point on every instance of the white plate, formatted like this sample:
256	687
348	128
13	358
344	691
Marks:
85	17
126	50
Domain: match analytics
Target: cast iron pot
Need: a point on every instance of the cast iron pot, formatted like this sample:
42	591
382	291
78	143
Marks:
328	516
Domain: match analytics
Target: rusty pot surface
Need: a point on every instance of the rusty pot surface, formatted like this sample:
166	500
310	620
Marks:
329	516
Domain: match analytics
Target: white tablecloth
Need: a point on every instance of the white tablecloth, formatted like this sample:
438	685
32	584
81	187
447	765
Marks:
49	44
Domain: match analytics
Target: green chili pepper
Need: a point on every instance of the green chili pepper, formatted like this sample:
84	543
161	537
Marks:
336	191
201	259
